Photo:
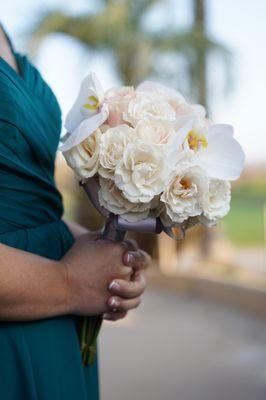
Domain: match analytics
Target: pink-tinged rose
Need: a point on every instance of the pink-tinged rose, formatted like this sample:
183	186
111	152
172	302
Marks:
118	100
174	98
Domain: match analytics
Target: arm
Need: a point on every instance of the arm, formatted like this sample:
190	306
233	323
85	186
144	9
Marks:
31	286
34	287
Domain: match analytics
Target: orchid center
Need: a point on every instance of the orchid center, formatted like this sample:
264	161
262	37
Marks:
196	141
92	104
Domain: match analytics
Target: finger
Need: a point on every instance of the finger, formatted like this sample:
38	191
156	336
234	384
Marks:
137	259
121	304
114	316
129	290
118	249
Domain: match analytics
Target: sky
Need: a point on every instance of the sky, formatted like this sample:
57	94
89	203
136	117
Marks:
238	24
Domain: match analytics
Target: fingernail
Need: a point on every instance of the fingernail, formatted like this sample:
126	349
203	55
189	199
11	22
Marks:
113	302
129	258
114	285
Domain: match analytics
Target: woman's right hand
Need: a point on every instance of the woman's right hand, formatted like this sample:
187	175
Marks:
89	266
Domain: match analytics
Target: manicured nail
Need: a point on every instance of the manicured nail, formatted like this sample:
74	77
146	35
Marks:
129	258
113	302
114	285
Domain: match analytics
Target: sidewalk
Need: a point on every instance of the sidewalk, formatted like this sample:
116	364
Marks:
176	347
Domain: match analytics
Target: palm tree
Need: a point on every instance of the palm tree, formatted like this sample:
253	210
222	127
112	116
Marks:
196	46
117	26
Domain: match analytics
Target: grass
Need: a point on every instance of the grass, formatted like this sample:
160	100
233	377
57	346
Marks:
244	223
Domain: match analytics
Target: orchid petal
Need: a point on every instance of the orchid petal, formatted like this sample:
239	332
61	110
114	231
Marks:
89	86
221	129
183	125
85	129
223	158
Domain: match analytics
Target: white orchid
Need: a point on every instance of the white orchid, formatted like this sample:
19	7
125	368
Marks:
88	113
214	149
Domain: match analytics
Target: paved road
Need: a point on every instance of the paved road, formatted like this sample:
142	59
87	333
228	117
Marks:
182	348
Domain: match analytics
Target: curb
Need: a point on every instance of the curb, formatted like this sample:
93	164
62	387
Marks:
248	299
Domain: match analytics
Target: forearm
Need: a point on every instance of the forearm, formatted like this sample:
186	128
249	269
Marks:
31	287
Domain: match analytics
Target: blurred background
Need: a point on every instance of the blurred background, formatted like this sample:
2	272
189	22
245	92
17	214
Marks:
201	332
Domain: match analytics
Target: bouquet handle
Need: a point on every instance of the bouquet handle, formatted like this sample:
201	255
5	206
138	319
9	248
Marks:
111	231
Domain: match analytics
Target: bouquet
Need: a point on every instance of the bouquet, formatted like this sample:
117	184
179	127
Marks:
149	161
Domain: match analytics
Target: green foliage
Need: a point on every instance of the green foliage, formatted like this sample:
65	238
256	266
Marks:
244	223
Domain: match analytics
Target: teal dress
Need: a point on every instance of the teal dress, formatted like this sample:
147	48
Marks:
39	360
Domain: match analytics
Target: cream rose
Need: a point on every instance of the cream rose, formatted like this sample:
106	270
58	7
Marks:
181	197
84	158
173	98
113	143
155	131
215	202
112	199
148	105
142	172
117	100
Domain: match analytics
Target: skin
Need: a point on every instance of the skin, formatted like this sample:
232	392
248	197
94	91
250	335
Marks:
34	287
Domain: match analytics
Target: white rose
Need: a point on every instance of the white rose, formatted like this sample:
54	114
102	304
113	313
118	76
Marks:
155	131
113	143
181	197
146	105
142	172
112	199
174	98
84	158
215	202
117	100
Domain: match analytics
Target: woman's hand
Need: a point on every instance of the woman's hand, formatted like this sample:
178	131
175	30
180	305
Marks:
91	265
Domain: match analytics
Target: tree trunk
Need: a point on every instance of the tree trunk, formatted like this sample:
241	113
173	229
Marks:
199	8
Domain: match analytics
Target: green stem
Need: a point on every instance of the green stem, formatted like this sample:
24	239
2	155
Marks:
89	333
83	333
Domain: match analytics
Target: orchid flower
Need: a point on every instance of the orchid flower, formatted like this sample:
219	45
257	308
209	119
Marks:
87	114
217	152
